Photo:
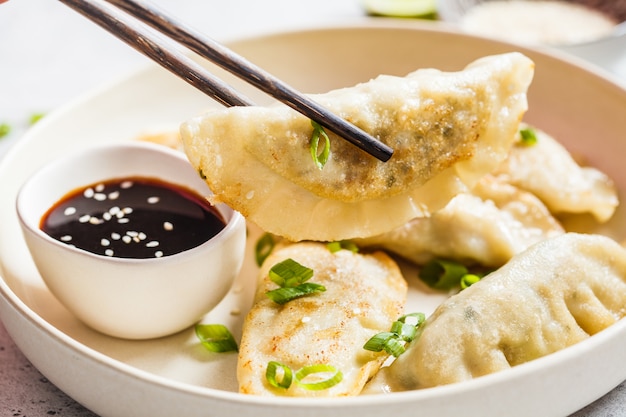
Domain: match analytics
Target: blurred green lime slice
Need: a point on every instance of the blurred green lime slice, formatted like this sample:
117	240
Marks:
401	8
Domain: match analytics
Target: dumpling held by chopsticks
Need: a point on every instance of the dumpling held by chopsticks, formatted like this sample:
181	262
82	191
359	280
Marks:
447	129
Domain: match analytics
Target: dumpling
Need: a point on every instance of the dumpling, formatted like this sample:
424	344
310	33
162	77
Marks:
553	295
486	226
447	129
547	170
364	293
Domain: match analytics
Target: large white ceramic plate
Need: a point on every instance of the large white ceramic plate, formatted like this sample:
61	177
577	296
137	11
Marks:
174	375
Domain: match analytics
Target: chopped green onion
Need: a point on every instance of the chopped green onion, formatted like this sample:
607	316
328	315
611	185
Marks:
377	342
5	129
216	338
291	277
442	274
35	117
285	294
275	368
394	346
403	331
469	279
342	244
316	385
290	273
271	374
416	319
264	246
529	136
320	158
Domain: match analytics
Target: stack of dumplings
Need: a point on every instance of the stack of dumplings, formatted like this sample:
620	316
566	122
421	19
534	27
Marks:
462	185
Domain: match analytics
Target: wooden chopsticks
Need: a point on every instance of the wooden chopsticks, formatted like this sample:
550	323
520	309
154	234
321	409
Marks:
111	18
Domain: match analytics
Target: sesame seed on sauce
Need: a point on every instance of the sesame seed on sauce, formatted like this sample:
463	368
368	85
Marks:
129	218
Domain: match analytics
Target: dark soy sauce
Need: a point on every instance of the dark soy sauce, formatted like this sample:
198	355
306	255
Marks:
133	217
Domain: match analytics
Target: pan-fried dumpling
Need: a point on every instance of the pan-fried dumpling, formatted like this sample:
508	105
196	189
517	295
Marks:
547	170
447	129
486	226
364	293
553	295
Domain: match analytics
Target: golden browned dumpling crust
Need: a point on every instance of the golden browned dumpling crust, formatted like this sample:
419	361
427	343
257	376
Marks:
364	295
447	129
486	226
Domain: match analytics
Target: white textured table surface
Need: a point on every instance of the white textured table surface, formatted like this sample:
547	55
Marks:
50	55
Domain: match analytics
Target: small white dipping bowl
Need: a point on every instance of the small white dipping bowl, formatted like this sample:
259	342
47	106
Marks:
122	297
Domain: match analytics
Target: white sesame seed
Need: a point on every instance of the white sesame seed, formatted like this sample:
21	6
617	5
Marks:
127	210
105	242
114	195
100	196
95	220
127	239
115	236
119	214
142	236
132	233
99	188
114	210
109	252
152	244
158	254
69	211
136	239
122	221
107	216
250	195
305	319
84	219
126	184
153	200
88	193
66	238
168	226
